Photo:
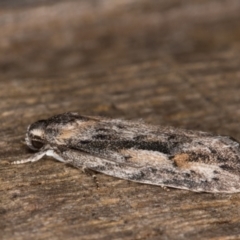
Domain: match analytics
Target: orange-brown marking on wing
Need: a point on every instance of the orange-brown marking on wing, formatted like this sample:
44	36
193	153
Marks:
182	160
66	134
73	129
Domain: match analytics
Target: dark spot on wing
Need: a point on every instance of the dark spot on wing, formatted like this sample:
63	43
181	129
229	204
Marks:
121	126
226	167
152	170
171	137
213	151
137	176
101	137
221	159
85	142
153	146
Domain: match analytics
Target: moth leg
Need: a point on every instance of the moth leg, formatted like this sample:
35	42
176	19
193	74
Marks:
91	173
52	153
33	158
37	156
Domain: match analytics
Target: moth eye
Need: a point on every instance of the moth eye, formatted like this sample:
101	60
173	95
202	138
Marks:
37	144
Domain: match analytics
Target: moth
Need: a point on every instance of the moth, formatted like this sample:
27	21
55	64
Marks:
135	151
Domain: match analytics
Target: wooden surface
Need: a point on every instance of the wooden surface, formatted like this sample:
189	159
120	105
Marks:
167	62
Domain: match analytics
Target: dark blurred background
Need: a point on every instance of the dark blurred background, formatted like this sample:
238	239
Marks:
59	37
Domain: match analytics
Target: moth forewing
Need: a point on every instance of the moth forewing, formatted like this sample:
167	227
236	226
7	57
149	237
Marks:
139	152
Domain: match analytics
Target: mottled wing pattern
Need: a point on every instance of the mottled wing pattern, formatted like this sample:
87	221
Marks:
135	151
164	156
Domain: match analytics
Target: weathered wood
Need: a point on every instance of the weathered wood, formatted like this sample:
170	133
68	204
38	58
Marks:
167	62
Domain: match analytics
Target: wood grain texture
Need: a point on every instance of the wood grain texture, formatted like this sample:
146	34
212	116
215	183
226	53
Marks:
166	62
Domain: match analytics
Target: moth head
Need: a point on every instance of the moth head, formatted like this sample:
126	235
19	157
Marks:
58	127
35	135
